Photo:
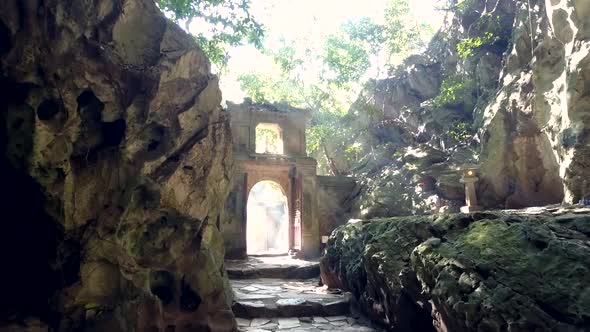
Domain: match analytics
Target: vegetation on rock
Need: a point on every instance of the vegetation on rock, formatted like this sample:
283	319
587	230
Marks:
495	271
229	23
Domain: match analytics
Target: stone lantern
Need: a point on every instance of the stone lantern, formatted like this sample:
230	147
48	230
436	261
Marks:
469	178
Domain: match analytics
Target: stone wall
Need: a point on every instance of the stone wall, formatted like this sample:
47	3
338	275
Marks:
247	116
112	123
233	216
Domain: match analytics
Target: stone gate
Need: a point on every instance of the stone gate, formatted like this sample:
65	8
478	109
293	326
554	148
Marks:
269	145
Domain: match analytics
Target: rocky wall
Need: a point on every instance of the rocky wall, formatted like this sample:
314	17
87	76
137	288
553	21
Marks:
336	195
112	126
535	141
503	85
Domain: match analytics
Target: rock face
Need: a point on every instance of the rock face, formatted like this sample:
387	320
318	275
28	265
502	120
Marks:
535	134
484	92
491	271
416	128
113	134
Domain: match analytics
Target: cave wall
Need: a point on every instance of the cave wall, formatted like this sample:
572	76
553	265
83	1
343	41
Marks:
117	157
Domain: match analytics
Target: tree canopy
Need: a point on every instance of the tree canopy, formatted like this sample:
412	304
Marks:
229	23
325	77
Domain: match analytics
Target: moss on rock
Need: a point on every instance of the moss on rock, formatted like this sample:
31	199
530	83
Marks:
492	271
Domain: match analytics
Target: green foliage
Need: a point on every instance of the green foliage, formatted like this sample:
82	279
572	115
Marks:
254	86
460	131
266	140
403	33
348	53
467	47
285	57
366	31
353	151
229	23
324	124
261	88
487	30
348	59
317	94
344	58
453	91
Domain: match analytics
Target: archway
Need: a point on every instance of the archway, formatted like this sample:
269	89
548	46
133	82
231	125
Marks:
267	221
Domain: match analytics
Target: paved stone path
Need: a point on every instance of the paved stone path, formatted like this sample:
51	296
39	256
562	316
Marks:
286	298
303	324
282	294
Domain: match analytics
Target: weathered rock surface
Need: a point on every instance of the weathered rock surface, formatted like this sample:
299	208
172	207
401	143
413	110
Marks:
491	271
535	138
415	128
111	127
484	92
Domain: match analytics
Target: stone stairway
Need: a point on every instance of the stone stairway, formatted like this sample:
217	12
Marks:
283	294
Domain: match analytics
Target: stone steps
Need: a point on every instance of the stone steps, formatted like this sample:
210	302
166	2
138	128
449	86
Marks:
290	272
303	324
283	294
272	267
286	298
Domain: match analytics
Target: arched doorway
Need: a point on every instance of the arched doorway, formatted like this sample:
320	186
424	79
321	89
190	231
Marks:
267	221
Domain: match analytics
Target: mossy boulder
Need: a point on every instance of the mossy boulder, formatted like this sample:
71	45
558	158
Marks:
490	271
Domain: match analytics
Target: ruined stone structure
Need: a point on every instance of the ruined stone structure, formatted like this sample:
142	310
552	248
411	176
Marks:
286	164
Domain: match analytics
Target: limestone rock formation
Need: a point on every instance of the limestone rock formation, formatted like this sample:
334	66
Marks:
535	130
493	271
485	92
113	134
415	127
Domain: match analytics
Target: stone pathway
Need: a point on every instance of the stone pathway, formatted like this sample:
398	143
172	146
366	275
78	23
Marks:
282	294
286	298
303	324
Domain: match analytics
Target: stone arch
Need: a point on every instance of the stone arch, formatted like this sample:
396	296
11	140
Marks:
281	181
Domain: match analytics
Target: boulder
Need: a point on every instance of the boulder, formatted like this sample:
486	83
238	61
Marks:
518	270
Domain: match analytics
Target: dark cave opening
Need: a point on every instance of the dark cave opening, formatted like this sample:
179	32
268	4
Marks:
189	299
48	109
5	39
113	132
29	236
